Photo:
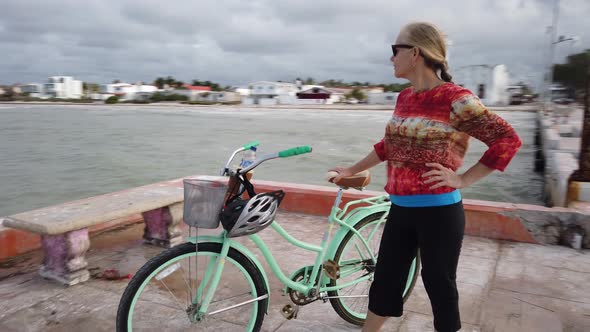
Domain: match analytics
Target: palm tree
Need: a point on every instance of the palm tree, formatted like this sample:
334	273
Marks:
159	82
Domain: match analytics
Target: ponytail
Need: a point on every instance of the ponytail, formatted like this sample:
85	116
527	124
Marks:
444	72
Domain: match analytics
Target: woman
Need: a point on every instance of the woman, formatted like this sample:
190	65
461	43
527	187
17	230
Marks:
424	145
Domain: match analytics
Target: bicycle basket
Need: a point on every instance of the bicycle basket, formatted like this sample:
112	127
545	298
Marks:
203	201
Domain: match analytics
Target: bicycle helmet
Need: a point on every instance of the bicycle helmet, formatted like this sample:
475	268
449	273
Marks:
244	217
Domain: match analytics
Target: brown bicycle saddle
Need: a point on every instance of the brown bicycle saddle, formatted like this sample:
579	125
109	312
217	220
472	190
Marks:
357	181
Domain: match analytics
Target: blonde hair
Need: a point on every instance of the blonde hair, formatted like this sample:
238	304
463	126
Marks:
432	44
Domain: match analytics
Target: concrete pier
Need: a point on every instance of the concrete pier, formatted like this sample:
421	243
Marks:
503	286
509	278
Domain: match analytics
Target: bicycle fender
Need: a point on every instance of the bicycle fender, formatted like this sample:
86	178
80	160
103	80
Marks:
241	248
352	219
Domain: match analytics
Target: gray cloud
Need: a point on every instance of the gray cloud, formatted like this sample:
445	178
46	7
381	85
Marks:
236	42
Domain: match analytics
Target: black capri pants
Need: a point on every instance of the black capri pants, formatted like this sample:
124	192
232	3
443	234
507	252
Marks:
438	233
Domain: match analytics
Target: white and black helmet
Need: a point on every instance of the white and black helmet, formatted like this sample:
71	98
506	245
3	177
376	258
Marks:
245	217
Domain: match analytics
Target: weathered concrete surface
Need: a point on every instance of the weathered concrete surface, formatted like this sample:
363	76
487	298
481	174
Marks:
560	165
161	225
553	226
64	227
65	260
503	286
84	213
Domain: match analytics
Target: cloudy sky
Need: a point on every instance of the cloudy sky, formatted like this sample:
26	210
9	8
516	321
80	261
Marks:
235	42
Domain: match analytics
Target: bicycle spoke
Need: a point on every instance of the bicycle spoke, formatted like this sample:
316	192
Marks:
229	298
159	303
155	320
351	289
188	287
348	272
363	301
175	298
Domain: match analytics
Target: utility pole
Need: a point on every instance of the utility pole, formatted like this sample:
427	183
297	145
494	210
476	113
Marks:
546	92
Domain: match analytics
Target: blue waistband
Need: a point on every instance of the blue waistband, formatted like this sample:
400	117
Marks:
426	199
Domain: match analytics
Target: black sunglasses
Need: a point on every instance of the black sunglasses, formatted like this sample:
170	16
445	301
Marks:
394	48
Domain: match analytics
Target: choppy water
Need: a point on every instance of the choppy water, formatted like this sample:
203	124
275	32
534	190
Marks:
52	154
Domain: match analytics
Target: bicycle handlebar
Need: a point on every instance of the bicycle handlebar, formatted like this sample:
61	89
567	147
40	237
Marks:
295	151
282	154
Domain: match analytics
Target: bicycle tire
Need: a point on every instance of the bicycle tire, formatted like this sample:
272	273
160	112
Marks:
173	254
337	303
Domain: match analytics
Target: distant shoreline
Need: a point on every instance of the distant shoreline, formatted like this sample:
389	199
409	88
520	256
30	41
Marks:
344	107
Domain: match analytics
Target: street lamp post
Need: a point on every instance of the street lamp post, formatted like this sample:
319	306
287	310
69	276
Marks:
548	78
547	83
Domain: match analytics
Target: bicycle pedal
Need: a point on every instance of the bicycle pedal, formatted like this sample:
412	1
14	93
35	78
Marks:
289	312
332	269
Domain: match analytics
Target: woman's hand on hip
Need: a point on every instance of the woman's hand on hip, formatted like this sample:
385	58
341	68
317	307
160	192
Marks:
442	176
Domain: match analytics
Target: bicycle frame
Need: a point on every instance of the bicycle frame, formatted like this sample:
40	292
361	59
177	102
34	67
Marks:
345	217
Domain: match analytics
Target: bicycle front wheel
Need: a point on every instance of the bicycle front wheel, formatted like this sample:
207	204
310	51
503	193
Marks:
166	293
351	303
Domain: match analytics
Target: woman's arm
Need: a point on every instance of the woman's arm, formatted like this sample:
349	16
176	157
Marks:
369	161
373	158
470	116
474	174
447	177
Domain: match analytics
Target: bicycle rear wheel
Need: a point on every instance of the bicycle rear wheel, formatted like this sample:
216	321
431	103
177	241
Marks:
160	297
351	303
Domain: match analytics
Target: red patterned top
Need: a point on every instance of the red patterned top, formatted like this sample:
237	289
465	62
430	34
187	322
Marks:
434	127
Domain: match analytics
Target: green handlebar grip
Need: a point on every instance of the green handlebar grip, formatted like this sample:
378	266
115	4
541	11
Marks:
295	151
251	145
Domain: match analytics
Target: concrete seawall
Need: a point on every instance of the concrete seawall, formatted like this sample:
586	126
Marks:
494	220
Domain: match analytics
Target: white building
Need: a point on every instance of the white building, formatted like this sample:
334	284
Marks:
33	89
271	93
339	94
65	87
109	90
314	95
382	98
126	91
218	97
371	89
193	92
242	91
489	83
62	87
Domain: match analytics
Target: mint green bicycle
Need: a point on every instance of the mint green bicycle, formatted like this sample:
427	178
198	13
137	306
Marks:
215	283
